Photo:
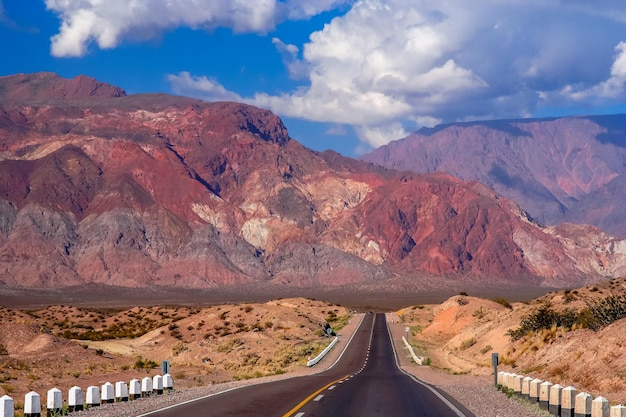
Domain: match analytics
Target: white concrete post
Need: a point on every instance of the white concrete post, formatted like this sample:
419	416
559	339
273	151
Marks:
54	401
108	393
544	395
134	389
583	405
600	407
32	405
534	390
146	386
618	411
554	403
501	378
75	399
157	384
121	391
526	387
517	384
7	406
568	401
168	382
92	396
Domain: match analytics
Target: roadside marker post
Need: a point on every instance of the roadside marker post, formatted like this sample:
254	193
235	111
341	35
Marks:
494	363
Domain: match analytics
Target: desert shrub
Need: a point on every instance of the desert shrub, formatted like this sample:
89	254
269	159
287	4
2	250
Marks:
463	293
179	348
600	313
468	343
3	350
486	349
504	302
146	364
543	318
462	301
479	313
230	345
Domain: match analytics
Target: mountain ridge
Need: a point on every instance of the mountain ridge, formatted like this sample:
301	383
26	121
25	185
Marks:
145	190
549	166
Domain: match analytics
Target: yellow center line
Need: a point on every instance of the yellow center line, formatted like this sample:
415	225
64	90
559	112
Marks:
307	399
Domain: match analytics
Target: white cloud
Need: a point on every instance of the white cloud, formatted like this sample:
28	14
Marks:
108	22
612	88
207	89
298	69
387	65
380	135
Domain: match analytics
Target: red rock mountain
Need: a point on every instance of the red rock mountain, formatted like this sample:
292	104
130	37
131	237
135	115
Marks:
568	169
99	187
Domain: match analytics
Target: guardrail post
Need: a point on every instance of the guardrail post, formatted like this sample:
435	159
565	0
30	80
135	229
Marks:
92	396
533	394
168	382
7	406
75	399
544	395
121	391
600	407
134	389
568	401
32	405
583	405
554	403
526	387
618	411
157	384
108	393
54	401
517	385
146	386
501	378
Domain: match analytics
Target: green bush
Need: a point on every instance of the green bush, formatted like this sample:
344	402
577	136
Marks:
603	312
543	318
504	302
597	314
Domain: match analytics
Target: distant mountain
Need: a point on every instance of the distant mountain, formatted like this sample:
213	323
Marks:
564	169
148	190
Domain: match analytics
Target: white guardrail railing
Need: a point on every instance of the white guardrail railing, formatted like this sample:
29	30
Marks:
319	357
410	348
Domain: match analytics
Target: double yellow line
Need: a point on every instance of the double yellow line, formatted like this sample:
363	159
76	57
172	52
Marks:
310	397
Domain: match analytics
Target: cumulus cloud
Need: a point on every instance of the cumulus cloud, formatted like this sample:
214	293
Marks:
611	89
388	66
107	23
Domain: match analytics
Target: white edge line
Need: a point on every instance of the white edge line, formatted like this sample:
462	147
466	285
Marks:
434	391
258	383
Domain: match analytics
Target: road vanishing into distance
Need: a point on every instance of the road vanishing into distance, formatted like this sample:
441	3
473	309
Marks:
364	382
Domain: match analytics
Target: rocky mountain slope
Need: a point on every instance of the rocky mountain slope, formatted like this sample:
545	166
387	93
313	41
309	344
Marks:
566	169
99	187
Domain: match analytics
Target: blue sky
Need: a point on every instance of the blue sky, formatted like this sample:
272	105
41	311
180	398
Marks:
343	75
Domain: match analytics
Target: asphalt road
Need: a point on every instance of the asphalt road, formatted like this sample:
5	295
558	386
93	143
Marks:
364	382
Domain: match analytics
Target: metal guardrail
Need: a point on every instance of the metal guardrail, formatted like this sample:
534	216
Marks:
410	348
319	357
